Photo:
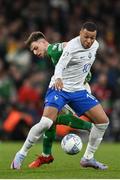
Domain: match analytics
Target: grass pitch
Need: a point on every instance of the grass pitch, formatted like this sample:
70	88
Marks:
64	166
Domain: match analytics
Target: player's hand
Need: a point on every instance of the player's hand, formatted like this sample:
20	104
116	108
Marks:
58	84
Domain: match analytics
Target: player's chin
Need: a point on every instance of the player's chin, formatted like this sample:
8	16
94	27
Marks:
87	46
40	56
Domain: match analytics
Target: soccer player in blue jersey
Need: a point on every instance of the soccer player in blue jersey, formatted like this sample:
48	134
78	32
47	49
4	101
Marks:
67	87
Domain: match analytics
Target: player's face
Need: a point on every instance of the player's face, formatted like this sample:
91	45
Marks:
38	48
87	38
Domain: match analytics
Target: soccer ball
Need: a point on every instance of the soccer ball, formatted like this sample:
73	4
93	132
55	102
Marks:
71	144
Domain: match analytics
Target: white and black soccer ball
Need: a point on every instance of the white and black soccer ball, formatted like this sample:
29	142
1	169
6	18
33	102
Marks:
71	144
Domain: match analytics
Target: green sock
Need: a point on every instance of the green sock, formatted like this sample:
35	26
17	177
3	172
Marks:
73	121
48	139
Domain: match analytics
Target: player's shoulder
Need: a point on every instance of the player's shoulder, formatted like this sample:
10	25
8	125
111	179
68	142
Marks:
73	43
56	46
74	40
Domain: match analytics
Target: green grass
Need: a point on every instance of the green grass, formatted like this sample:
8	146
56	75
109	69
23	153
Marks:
64	166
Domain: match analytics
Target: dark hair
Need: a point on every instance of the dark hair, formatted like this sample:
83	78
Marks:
90	26
34	37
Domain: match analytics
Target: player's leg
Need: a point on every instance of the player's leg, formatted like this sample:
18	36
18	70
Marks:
69	118
73	121
96	135
49	114
46	156
65	119
48	139
86	103
52	106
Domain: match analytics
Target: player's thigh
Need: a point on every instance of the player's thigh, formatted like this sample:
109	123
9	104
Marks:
54	102
97	114
50	112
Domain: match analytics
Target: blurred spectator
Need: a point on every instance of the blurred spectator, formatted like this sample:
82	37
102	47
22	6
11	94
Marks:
115	118
18	55
7	88
16	124
102	92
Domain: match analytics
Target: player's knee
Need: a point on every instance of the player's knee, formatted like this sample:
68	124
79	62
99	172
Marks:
103	123
103	126
45	123
105	120
51	113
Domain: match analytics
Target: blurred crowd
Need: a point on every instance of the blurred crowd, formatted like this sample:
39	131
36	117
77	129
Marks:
24	78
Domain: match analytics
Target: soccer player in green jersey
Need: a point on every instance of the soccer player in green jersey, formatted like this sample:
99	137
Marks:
39	46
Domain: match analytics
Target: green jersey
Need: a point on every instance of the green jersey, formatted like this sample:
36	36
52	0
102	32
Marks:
54	51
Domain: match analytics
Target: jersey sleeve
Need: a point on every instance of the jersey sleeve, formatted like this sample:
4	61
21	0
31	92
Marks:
63	61
54	51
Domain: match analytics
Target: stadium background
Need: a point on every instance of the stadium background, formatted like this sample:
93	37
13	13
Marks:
24	77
